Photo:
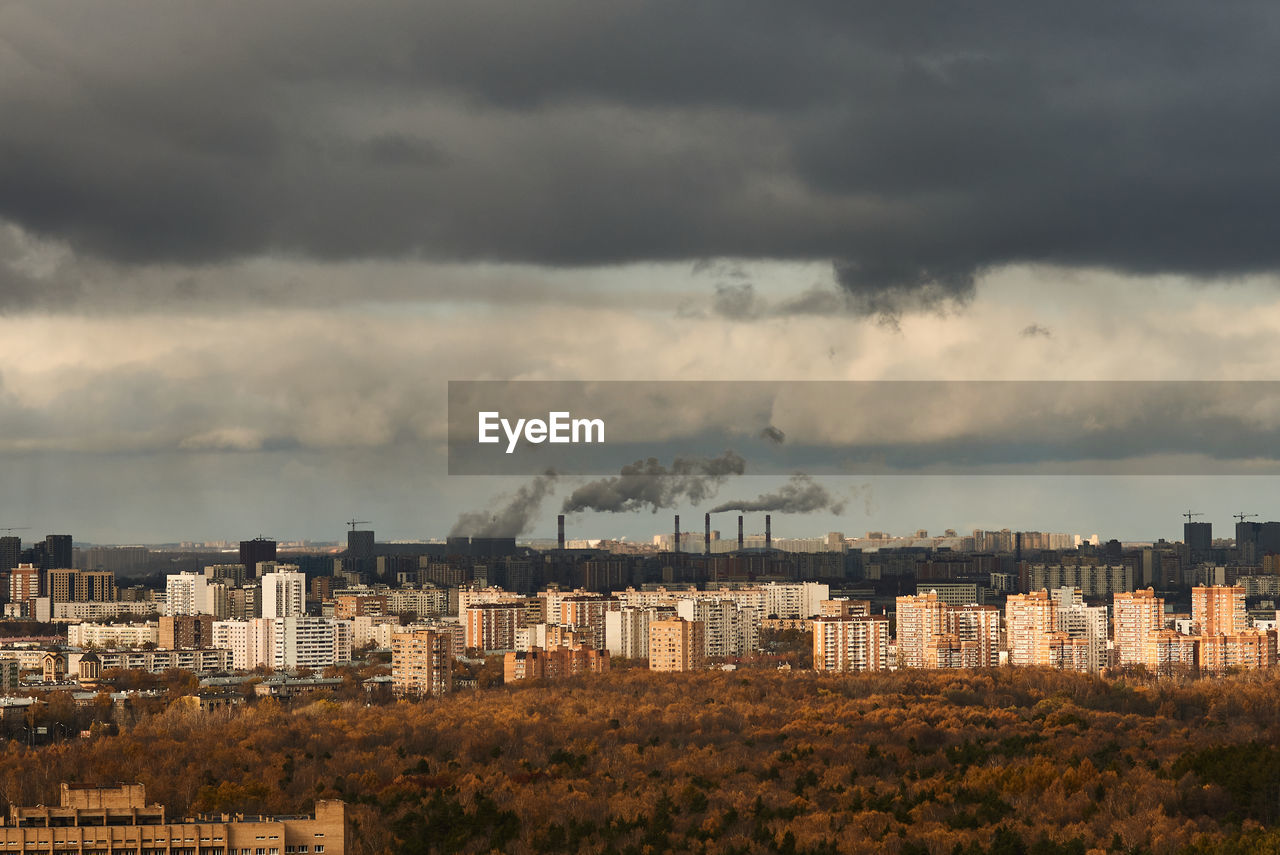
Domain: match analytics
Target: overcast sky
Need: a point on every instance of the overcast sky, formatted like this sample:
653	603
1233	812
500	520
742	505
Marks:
244	247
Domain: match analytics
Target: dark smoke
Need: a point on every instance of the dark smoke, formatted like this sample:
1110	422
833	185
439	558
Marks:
511	519
800	495
649	484
773	434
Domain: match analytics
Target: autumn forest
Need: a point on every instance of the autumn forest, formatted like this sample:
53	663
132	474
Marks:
1007	761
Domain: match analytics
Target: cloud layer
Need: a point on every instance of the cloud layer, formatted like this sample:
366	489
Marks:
912	147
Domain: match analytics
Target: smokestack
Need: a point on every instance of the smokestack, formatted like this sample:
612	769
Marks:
560	530
768	531
706	538
740	541
677	532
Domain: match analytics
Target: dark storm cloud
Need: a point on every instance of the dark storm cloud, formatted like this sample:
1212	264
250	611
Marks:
773	434
912	145
650	485
800	495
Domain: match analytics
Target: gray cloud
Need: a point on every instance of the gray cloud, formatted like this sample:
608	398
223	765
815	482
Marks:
800	495
512	516
1036	330
648	484
912	149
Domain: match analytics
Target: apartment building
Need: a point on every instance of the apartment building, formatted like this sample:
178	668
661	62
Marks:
851	643
491	627
1029	619
1137	616
730	628
421	663
1218	610
920	617
676	645
118	819
112	634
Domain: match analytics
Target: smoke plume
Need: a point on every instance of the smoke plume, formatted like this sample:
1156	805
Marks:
800	495
512	518
649	484
773	434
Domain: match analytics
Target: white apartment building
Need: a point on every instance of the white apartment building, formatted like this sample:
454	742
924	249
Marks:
187	594
730	629
113	634
626	631
283	592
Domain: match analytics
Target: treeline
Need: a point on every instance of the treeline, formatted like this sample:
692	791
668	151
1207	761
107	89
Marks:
1008	761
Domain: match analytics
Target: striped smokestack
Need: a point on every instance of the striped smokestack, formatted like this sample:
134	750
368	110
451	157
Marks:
706	538
677	532
768	531
740	541
560	530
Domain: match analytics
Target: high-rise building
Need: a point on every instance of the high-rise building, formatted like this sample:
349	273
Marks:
64	585
185	632
187	594
492	627
253	551
1085	626
283	592
421	663
231	575
1218	610
1137	617
586	613
977	631
920	618
1248	650
730	627
362	553
1029	619
309	642
10	552
1197	538
676	645
851	643
24	588
59	584
57	552
626	631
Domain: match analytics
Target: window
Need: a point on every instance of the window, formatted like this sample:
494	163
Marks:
320	847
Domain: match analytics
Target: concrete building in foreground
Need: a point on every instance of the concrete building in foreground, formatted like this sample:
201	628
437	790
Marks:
118	819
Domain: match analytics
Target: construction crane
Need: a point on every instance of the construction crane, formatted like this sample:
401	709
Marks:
353	522
15	528
1190	514
1242	517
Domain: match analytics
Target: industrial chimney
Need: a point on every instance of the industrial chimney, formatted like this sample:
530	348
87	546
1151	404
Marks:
768	531
677	533
560	531
740	541
706	538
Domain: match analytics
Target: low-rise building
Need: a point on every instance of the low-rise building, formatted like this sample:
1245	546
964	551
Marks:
118	819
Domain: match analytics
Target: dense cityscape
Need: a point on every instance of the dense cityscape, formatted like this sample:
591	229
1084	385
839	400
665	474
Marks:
102	642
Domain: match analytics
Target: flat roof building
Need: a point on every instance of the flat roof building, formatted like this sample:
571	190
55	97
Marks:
89	819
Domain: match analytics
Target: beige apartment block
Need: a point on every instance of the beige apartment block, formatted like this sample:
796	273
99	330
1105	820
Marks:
676	645
118	820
